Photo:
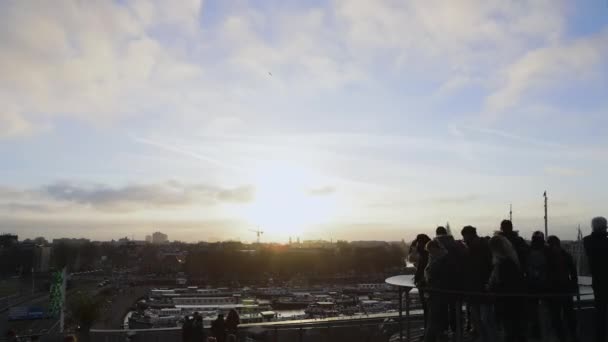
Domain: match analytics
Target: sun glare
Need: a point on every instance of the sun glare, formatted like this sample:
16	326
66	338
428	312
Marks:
284	205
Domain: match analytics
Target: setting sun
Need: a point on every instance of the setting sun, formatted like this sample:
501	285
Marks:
288	200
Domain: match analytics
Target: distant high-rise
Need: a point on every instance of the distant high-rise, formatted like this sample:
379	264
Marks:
149	238
159	237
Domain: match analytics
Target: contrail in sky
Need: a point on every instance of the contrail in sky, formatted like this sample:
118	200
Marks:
182	151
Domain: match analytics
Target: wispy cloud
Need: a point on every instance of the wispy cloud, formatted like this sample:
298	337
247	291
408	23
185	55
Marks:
551	66
183	151
170	194
322	191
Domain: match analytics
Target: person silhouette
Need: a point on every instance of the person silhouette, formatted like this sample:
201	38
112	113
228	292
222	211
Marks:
507	278
436	278
518	243
477	273
563	280
596	249
232	322
218	328
187	329
420	260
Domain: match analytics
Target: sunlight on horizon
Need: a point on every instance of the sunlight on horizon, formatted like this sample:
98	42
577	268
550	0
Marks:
285	201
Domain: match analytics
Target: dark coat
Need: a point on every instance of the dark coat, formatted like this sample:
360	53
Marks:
436	274
562	274
521	247
506	277
479	265
456	261
596	248
198	331
218	329
537	268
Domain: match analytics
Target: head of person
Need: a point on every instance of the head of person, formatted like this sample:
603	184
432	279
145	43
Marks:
599	224
506	226
421	241
469	234
538	239
441	231
232	314
554	243
435	249
502	249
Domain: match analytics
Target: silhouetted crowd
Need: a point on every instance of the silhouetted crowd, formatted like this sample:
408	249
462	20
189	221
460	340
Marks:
222	330
504	282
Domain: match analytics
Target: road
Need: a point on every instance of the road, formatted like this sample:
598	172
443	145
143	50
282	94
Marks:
30	327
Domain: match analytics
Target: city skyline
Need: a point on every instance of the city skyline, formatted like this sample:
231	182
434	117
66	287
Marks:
328	119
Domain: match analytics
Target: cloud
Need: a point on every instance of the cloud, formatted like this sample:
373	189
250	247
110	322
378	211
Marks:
132	197
243	194
553	66
322	191
104	62
25	207
455	199
14	125
97	62
561	171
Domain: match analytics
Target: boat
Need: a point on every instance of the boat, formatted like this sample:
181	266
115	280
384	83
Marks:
322	309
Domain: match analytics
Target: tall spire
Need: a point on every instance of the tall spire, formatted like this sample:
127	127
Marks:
546	224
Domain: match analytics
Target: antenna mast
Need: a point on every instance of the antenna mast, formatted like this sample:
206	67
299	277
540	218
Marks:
546	226
511	213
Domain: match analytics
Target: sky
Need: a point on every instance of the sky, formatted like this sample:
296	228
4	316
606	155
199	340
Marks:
356	120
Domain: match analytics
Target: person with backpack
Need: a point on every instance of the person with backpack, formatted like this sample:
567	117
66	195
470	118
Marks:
506	279
518	243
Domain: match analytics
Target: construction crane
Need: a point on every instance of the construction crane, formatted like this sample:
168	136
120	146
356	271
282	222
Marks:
258	232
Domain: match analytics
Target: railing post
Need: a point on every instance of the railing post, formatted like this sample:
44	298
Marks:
458	334
276	334
301	335
400	314
361	331
407	314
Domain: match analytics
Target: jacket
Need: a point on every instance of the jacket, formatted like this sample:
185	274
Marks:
506	277
562	274
596	248
479	261
456	261
521	247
